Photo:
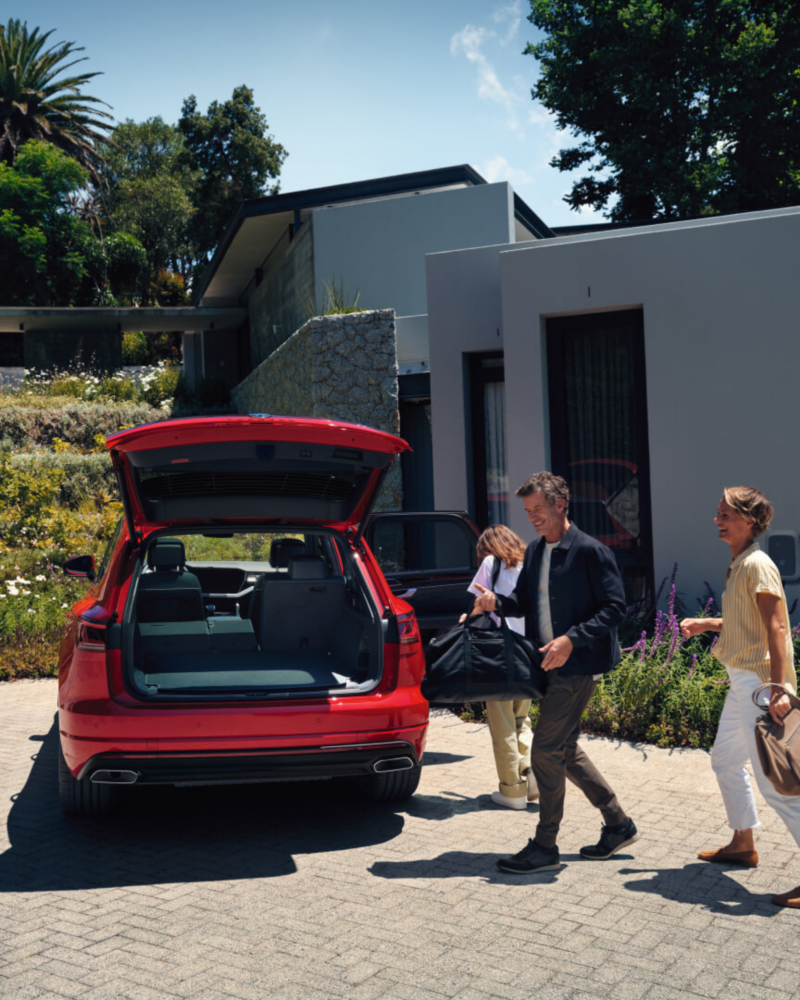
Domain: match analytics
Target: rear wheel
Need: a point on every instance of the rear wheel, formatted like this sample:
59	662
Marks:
391	786
82	798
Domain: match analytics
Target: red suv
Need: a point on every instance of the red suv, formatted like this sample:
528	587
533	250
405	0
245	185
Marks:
239	627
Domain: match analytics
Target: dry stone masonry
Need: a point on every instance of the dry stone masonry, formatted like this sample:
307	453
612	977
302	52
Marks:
340	367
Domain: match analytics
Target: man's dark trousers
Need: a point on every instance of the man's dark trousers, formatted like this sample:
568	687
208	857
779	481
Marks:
587	603
556	756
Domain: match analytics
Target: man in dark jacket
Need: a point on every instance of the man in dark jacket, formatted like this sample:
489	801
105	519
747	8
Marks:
571	594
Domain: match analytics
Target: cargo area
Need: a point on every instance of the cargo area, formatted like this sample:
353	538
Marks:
295	620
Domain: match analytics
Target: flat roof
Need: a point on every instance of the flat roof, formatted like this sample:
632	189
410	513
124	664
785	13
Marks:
98	319
275	212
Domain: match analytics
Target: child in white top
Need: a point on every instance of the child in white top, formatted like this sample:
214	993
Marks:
509	722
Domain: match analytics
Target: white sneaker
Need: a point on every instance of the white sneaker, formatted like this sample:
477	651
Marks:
533	788
504	800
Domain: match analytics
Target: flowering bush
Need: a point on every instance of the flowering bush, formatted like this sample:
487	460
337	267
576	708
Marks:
667	690
154	384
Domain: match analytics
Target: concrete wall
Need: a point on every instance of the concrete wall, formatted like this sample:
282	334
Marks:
721	305
464	316
276	302
338	368
378	247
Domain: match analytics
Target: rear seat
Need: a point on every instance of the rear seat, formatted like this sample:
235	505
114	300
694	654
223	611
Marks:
300	613
169	593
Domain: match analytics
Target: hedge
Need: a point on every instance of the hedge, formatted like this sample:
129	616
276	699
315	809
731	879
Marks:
76	423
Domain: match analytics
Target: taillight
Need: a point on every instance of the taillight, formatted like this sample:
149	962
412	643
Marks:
407	628
90	636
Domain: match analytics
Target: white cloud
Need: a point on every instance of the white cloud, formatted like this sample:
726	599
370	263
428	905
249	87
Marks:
511	15
469	42
499	169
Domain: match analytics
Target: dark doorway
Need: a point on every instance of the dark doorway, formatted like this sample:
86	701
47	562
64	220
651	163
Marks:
415	427
598	434
488	409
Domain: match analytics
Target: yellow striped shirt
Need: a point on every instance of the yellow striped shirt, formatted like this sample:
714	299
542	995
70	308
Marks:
743	643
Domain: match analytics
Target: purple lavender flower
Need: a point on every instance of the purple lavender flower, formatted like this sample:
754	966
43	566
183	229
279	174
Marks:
714	641
671	605
694	666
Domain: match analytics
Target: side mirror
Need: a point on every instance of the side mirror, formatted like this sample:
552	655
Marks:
80	566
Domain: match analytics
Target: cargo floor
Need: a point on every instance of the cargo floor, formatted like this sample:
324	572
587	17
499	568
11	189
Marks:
302	669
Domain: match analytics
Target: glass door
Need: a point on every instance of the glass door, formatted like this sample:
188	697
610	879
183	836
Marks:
490	469
598	434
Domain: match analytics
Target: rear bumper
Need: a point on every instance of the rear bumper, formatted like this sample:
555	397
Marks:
301	764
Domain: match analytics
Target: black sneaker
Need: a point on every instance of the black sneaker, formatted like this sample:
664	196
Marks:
532	858
612	839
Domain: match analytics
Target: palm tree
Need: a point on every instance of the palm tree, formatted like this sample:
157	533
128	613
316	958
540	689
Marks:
38	102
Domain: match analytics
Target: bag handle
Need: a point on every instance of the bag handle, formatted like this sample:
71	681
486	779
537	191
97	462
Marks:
795	701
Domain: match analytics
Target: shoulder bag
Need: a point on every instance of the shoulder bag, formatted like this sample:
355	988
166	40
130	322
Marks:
479	661
779	746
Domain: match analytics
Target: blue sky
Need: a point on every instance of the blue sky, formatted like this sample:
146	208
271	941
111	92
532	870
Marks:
353	89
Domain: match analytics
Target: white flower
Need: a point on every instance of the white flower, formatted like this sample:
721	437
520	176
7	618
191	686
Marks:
31	611
63	605
26	592
2	597
40	577
13	590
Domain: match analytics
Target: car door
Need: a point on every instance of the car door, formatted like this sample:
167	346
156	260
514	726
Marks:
429	560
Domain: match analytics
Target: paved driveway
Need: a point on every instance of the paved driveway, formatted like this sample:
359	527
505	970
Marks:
307	892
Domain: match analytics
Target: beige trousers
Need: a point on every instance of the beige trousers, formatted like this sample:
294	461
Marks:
512	737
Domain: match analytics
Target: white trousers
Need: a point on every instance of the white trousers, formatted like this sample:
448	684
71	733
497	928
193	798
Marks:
734	746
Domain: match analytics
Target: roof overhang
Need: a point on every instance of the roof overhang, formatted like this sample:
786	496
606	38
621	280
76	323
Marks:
100	320
259	223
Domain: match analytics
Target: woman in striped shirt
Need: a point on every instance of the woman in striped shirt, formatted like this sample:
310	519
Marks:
755	646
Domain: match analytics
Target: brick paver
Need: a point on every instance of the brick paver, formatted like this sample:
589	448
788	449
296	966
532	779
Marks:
271	891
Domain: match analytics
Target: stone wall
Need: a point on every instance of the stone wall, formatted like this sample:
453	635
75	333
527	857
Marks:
276	303
334	367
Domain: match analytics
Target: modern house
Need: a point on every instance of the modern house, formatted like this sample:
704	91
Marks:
370	238
650	366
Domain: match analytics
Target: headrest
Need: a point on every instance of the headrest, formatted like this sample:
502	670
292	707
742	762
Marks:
282	550
167	553
307	568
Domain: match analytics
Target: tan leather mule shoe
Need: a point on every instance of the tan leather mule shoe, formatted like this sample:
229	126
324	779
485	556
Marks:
790	898
722	855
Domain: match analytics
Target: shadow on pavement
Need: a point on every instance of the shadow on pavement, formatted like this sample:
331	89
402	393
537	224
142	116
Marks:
440	757
464	864
704	885
186	834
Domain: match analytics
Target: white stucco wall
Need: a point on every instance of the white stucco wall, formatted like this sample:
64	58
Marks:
721	304
378	247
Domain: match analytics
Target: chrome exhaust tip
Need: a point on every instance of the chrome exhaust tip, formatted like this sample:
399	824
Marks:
393	764
114	777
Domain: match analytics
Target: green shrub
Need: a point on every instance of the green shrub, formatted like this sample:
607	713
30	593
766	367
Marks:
33	515
136	348
83	477
77	422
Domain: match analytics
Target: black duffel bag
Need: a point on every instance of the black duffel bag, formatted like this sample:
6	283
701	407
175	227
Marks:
479	661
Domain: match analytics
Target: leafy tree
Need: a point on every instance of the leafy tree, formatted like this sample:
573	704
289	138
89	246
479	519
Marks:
146	191
38	102
235	157
49	256
680	108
